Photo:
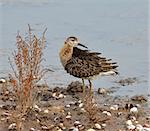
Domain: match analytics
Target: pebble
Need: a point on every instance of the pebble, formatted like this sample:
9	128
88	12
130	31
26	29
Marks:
98	126
102	91
131	127
139	127
83	110
129	122
12	126
68	106
2	80
91	129
134	110
145	129
74	129
44	127
107	113
114	107
37	108
46	111
76	123
68	117
61	96
32	129
81	105
103	125
80	101
133	118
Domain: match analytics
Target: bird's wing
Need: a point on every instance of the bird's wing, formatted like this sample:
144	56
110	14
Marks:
85	63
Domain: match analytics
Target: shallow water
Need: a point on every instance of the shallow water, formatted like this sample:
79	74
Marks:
116	28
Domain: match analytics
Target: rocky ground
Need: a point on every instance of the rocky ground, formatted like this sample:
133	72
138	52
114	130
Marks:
68	109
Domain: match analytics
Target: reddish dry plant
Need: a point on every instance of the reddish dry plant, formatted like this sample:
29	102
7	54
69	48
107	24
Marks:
27	68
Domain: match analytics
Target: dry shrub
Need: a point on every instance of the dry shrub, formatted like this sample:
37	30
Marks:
27	71
91	108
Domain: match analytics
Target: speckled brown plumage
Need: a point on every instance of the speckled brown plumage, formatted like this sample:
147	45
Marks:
85	64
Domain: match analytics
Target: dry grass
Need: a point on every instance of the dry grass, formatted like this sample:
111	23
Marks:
27	72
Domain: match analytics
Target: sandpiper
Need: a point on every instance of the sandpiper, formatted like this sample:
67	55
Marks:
84	64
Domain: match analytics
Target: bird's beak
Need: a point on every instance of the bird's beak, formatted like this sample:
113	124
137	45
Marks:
82	45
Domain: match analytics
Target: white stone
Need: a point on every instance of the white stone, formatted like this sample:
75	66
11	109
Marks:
36	107
131	127
134	110
75	129
129	122
83	110
139	127
79	101
46	111
32	129
68	117
54	94
68	106
102	91
68	113
103	125
114	107
107	113
98	126
44	127
91	129
81	105
12	126
146	129
2	80
61	96
77	123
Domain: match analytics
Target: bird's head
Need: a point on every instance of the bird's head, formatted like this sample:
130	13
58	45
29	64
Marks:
73	41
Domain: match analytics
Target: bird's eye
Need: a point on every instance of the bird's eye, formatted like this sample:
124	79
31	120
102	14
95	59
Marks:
72	40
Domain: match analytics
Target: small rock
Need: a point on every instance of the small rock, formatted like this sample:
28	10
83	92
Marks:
146	125
114	107
134	110
145	129
44	127
81	105
68	106
37	108
76	123
80	101
32	129
91	129
140	98
129	122
68	117
139	127
130	127
12	126
133	118
103	125
107	113
46	111
61	96
83	110
73	129
75	87
2	80
98	126
68	113
102	91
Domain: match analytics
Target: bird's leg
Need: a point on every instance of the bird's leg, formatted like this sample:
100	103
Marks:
83	86
91	88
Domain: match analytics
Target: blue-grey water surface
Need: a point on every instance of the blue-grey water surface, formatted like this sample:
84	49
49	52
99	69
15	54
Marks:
117	28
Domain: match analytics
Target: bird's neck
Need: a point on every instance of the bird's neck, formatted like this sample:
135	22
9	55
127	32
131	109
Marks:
66	54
